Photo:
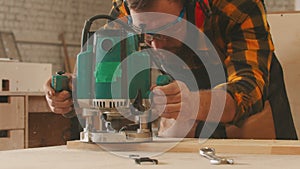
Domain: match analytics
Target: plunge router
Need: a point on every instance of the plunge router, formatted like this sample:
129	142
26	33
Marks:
112	86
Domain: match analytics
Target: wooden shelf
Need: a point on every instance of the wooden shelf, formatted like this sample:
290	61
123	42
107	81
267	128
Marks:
27	121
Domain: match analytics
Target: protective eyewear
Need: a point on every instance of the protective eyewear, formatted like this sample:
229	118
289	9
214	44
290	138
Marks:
152	34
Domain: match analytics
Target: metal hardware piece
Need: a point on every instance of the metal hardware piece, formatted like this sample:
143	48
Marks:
142	160
209	153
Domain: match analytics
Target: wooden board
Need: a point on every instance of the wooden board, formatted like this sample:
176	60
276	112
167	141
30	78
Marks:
62	158
38	104
12	112
193	145
24	77
48	129
13	140
2	49
8	46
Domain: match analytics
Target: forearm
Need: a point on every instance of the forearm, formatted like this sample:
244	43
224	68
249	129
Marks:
216	105
249	54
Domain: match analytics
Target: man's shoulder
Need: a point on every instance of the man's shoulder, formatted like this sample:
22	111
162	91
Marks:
236	10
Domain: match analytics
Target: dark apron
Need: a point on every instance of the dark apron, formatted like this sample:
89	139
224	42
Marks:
283	120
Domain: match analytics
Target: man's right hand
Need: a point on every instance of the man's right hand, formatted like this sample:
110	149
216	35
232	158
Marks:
59	102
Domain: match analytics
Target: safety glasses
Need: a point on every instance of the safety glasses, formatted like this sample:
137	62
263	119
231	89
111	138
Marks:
151	34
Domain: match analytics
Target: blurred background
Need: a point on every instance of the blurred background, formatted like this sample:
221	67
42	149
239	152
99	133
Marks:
37	25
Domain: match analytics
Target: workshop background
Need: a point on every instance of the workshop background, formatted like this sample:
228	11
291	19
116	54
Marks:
37	24
45	33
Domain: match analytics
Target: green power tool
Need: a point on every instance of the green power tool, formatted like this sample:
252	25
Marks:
164	79
112	84
60	82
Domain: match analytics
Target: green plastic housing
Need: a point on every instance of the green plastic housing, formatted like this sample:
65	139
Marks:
60	83
112	68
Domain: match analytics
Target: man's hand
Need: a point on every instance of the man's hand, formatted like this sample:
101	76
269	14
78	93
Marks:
175	101
178	108
59	102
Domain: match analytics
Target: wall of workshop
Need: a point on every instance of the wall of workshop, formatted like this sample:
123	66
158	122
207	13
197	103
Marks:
280	5
37	24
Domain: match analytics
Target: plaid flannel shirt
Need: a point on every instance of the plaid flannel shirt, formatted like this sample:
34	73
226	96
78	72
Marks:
240	33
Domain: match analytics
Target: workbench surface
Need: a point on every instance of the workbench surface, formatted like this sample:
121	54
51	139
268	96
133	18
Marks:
59	157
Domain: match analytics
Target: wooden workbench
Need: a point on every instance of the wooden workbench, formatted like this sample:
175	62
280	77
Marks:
62	158
192	145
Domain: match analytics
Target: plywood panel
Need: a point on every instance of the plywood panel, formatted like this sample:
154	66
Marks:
12	112
48	129
60	157
193	145
9	45
25	77
2	49
14	140
37	104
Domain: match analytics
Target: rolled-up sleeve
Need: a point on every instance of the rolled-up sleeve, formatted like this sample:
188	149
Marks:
249	53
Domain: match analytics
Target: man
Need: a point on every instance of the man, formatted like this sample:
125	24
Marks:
256	105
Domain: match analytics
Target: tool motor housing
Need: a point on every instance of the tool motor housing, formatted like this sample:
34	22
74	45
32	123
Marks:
111	74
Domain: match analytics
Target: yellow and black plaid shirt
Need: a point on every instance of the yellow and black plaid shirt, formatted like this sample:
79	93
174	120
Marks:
240	33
